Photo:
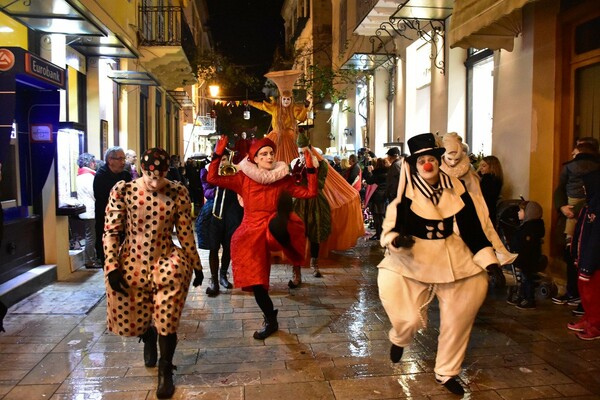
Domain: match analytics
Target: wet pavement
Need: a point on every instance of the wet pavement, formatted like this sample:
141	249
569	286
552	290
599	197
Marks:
332	344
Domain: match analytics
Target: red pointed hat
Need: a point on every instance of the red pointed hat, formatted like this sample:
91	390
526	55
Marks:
259	144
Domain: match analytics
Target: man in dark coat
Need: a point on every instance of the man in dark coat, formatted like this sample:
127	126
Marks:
107	175
393	176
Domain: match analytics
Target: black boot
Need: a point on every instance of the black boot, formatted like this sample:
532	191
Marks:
150	348
396	353
213	289
3	311
224	282
166	387
271	326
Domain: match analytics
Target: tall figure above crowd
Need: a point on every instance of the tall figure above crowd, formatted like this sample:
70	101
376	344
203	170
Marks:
269	223
344	201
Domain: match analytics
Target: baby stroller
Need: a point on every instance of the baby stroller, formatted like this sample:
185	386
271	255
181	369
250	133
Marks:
506	226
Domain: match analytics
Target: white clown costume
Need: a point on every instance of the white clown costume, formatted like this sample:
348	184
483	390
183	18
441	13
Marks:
446	256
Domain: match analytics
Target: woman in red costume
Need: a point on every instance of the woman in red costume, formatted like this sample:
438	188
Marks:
269	224
344	201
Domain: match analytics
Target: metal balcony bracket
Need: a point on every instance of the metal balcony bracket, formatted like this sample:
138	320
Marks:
431	30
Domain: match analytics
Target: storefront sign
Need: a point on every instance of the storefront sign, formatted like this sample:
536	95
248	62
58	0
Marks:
41	133
7	60
44	70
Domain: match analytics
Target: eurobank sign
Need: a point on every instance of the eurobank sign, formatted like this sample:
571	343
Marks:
17	64
42	69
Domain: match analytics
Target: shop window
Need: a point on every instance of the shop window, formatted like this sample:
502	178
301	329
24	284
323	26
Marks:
9	184
587	37
480	94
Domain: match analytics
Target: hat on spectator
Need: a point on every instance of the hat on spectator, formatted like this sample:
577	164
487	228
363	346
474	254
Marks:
394	151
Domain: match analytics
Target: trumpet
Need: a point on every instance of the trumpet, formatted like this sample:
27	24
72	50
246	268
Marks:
228	169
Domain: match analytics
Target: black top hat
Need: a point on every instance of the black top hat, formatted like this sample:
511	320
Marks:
424	144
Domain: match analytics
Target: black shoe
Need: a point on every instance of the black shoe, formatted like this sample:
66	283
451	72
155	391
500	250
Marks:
453	386
526	305
224	282
396	353
213	289
374	237
271	326
93	266
165	387
514	299
150	347
578	311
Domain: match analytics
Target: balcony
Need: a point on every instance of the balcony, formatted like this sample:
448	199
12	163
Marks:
168	49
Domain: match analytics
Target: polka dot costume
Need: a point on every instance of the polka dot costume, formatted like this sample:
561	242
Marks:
157	271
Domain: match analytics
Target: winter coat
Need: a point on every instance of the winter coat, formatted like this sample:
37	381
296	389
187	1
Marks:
570	182
392	179
491	186
441	252
252	243
85	192
212	231
527	241
585	246
379	178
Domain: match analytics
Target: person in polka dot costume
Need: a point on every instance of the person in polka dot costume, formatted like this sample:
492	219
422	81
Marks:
147	276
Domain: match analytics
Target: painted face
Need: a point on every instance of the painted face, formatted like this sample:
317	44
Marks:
429	169
265	157
154	180
452	159
484	168
286	101
116	162
131	158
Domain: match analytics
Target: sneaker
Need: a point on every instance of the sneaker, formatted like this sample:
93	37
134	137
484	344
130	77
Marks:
575	301
514	299
564	299
526	305
578	311
590	333
578	326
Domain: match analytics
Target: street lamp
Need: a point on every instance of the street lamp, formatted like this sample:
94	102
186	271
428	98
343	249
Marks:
213	90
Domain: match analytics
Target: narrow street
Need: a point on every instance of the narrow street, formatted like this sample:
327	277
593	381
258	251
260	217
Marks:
332	344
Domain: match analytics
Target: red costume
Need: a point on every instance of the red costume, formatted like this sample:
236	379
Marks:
252	243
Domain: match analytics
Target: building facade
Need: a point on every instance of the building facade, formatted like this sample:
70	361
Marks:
515	78
82	76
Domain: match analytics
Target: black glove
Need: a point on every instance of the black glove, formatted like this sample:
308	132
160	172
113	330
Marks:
497	278
117	282
198	278
406	241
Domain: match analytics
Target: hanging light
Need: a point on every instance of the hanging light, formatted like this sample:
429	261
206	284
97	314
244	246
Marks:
214	90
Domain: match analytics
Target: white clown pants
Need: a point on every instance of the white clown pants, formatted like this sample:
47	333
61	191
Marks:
459	303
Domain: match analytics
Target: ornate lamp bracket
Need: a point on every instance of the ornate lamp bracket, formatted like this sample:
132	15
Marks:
430	30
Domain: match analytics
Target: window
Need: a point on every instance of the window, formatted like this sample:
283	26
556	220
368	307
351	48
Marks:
480	103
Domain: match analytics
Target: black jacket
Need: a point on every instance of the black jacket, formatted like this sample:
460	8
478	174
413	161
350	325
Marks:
527	241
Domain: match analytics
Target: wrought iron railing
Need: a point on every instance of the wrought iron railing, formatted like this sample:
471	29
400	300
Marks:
166	26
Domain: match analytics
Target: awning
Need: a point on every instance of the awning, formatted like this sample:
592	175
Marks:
481	24
84	31
133	78
181	97
366	61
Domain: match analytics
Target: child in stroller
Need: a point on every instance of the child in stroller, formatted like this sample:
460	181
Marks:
521	227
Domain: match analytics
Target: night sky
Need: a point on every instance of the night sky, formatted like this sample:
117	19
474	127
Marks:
247	32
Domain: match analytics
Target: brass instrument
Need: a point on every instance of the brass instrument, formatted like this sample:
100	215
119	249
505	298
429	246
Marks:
228	169
224	170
